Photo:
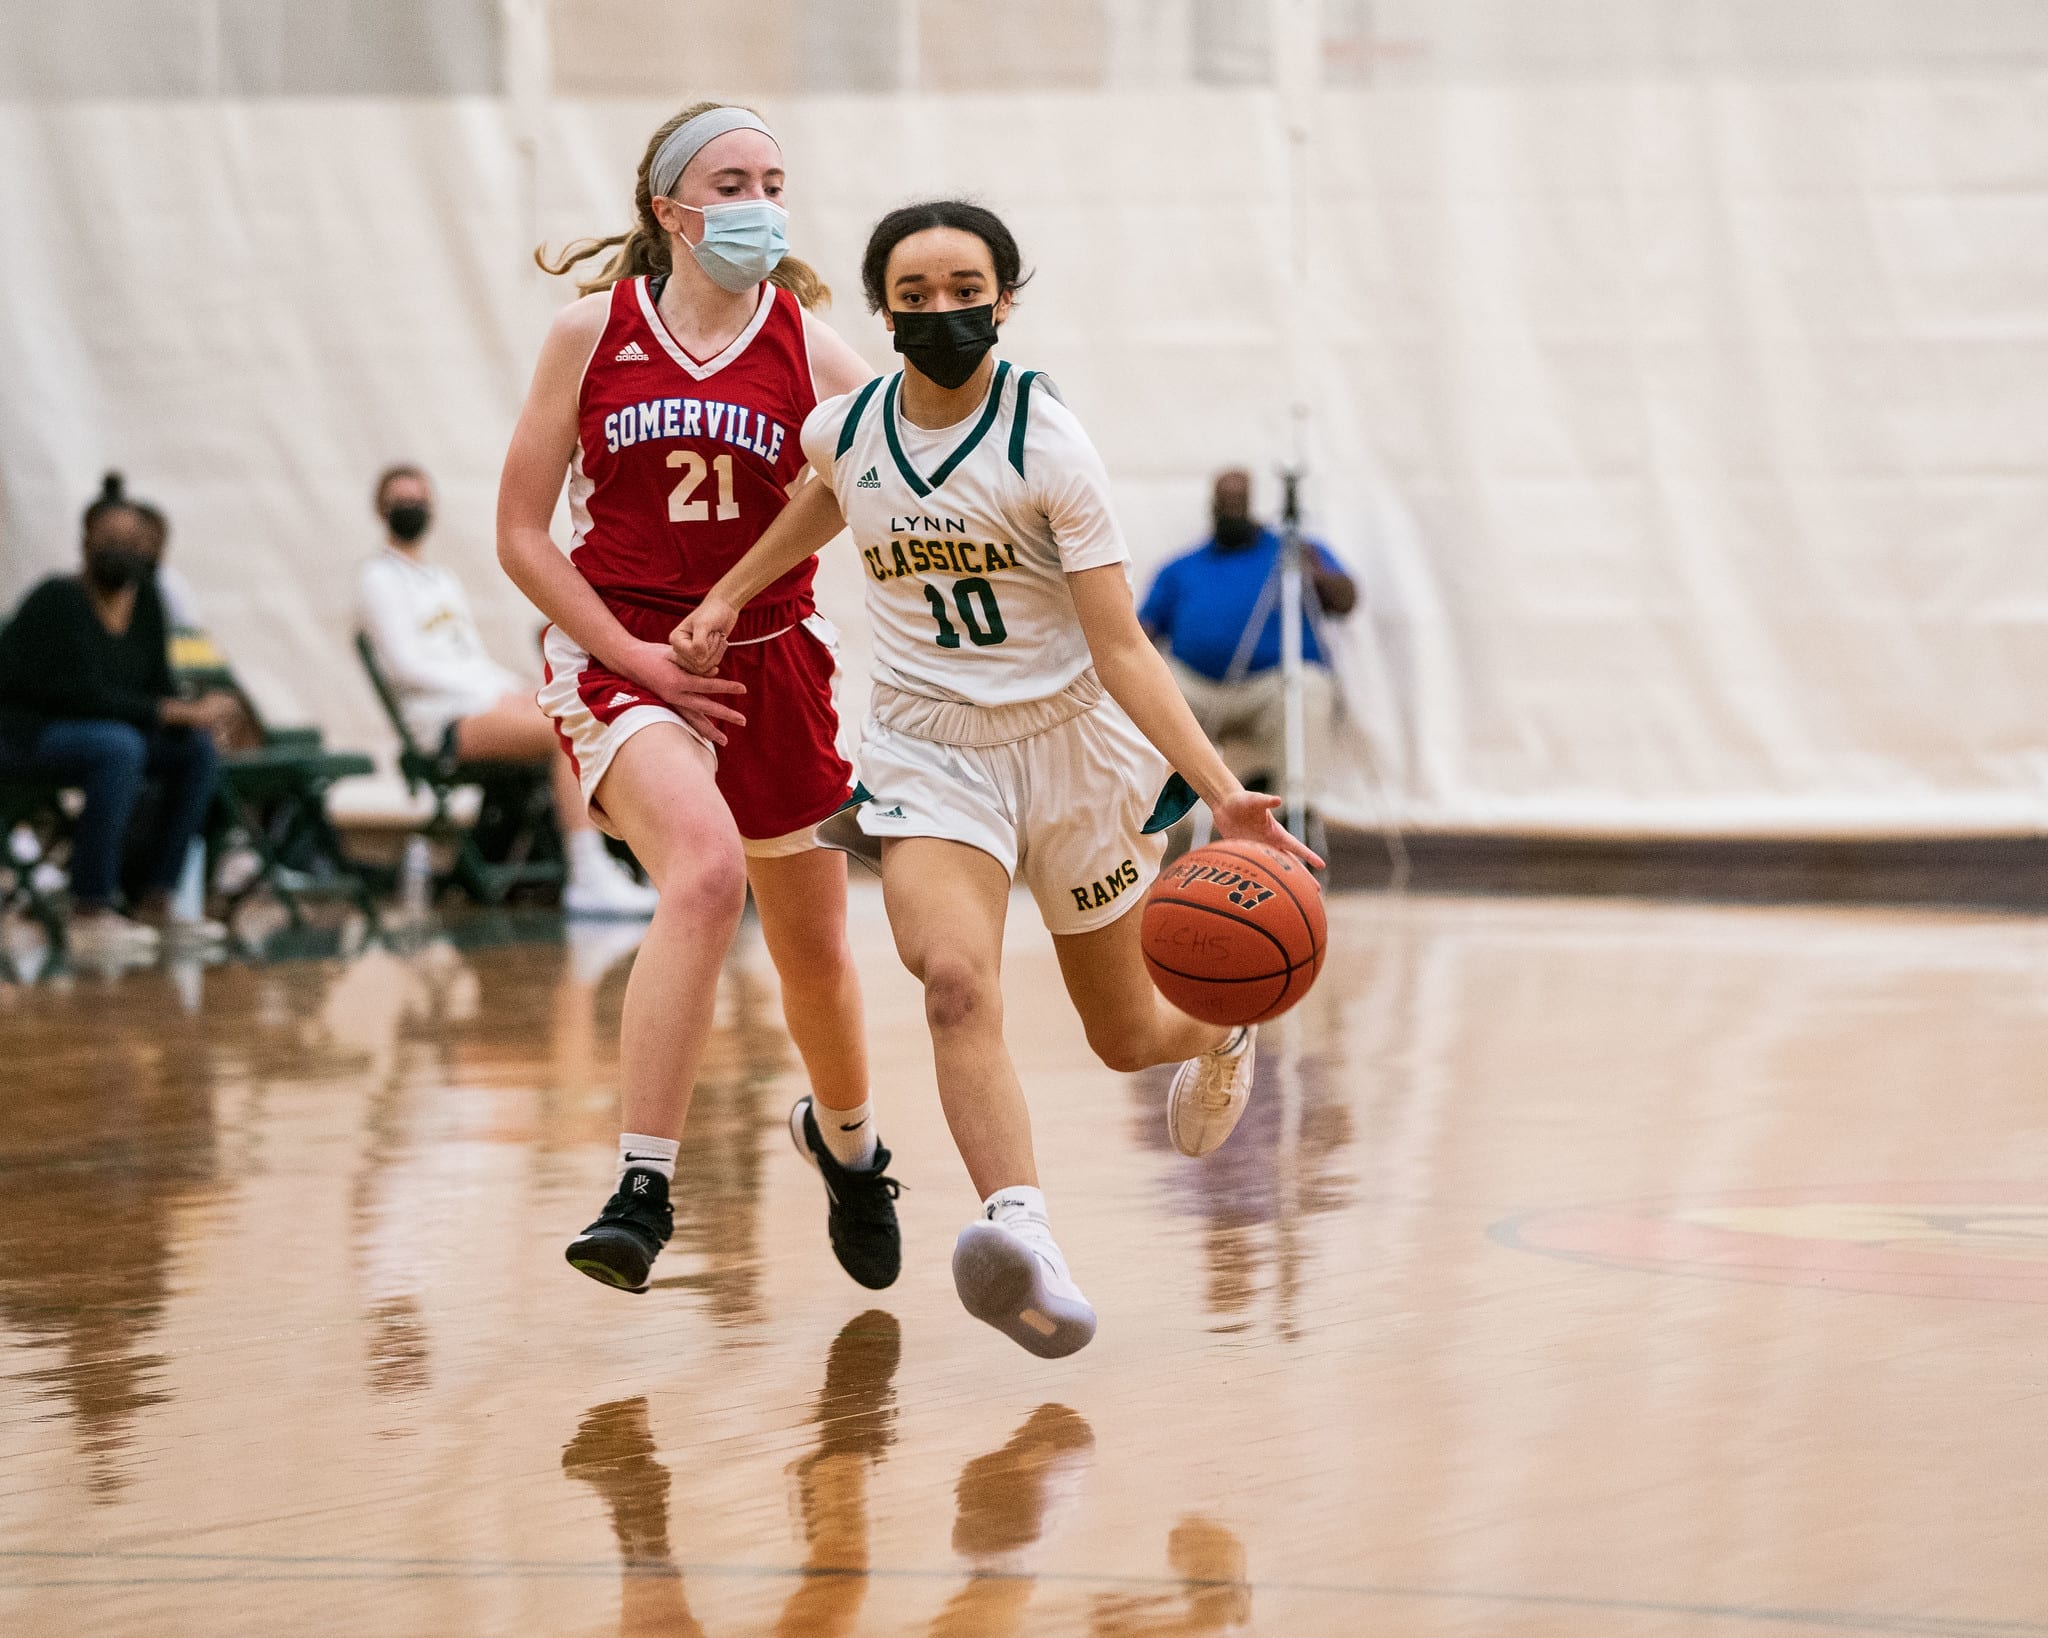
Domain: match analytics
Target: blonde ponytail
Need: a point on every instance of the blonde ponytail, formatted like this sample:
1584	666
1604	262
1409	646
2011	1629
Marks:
645	248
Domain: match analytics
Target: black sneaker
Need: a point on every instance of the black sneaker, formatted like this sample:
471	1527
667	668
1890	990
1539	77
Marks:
862	1220
620	1247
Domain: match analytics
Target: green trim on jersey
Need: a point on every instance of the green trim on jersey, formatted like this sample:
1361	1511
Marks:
967	446
1018	420
853	416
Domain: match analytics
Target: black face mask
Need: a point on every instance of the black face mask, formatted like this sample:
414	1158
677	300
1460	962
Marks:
948	347
408	523
1234	531
115	568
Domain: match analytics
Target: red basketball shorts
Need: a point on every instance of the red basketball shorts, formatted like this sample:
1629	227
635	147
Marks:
780	774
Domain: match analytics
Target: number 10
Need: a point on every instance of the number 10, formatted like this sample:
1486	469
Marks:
984	631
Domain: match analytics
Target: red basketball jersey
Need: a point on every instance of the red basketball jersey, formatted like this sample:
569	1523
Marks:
681	465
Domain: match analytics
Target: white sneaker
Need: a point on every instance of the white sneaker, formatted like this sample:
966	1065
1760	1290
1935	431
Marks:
595	947
1010	1274
1210	1092
606	890
195	932
107	935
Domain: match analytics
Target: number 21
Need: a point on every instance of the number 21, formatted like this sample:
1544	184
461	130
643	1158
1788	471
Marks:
681	509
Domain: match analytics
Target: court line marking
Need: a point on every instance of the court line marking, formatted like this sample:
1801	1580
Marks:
313	1569
1507	1234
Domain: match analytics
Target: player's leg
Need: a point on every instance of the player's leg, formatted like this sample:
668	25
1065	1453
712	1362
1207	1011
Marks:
517	730
1131	1026
947	903
1090	864
780	775
801	899
659	793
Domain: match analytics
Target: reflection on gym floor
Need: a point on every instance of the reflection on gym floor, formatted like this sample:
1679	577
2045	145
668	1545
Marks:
1579	1271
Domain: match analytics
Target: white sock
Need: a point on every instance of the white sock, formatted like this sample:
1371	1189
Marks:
648	1154
588	856
848	1133
1019	1200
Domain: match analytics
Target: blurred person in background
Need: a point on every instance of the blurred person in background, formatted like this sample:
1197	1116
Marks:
462	704
191	643
1199	610
181	602
86	698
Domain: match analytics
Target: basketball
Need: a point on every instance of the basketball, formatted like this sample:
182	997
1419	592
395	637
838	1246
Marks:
1234	933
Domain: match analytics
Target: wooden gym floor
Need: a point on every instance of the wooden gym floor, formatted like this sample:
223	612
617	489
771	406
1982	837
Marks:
1581	1269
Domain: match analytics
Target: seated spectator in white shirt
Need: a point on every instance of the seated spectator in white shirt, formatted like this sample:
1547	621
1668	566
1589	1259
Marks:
457	700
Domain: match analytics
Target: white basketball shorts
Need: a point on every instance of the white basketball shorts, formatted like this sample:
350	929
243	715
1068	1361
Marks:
1062	805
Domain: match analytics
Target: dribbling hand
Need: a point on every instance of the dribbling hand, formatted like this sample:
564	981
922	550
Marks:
698	644
1251	817
691	696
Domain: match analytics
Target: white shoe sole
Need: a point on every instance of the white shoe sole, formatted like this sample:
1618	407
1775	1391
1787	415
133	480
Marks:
1002	1283
1218	1124
796	1136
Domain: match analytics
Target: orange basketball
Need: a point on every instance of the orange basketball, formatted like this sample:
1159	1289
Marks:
1234	932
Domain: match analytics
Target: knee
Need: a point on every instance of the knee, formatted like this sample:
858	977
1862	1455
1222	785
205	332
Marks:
119	752
957	994
706	881
1117	1046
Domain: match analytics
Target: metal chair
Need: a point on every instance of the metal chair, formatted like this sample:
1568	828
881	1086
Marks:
514	841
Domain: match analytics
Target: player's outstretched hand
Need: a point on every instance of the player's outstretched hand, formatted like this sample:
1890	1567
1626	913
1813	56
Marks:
1251	817
694	698
698	644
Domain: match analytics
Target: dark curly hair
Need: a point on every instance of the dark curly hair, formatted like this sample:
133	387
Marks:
963	214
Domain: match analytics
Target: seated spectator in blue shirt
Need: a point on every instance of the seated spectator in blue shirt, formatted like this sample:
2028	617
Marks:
1199	608
86	698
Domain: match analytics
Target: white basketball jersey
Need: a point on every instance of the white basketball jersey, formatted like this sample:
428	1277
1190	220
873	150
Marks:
968	534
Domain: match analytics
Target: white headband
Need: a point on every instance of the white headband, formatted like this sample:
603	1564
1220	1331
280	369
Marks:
672	158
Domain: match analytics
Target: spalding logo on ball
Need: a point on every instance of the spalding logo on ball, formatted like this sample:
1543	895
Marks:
1234	933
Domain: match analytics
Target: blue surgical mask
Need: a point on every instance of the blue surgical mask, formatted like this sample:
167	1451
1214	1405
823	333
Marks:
743	241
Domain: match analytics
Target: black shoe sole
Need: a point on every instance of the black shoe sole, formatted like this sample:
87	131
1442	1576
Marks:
865	1281
602	1272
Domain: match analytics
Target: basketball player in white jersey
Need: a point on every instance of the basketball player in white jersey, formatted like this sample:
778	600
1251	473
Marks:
1022	725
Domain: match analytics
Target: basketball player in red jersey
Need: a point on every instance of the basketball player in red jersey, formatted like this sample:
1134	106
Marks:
672	394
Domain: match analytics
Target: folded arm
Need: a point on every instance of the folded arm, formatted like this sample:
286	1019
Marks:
807	524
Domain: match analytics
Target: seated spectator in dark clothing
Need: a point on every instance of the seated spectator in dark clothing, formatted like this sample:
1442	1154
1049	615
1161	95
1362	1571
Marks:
1201	606
86	698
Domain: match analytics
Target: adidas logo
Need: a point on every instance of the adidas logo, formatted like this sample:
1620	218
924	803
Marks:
890	813
870	479
618	700
631	353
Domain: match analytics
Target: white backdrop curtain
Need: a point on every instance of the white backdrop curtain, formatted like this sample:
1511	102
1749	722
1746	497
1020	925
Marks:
1688	431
